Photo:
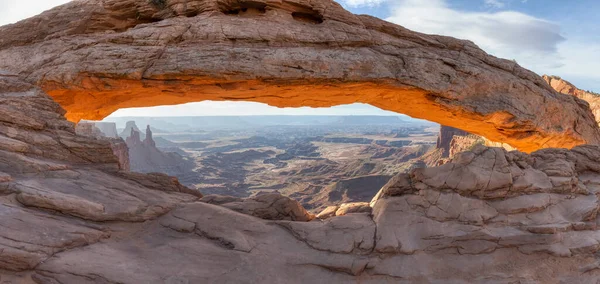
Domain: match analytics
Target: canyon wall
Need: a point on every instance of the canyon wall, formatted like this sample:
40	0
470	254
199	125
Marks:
445	138
118	146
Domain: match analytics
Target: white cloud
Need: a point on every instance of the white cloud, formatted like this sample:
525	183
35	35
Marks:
12	11
580	64
535	43
513	35
362	3
495	3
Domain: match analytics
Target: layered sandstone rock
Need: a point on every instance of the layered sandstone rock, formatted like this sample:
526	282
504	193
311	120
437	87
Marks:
68	215
536	225
96	56
488	216
567	88
270	206
445	138
107	133
345	209
121	151
56	187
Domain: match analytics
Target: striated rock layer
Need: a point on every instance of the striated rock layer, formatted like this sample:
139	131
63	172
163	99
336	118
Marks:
57	187
446	137
96	56
68	215
567	88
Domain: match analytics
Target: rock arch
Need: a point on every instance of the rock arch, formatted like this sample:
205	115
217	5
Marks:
94	57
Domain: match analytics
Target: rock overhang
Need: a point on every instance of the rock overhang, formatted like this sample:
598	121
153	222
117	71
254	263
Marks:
95	57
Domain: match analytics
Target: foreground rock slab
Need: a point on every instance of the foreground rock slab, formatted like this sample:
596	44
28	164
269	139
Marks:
270	206
28	237
97	56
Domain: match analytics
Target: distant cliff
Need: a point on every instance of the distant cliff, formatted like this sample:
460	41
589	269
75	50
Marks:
144	157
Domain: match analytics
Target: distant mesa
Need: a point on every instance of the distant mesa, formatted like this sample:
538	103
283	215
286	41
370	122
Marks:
130	127
145	157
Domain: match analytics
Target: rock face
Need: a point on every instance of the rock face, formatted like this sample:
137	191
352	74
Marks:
445	138
68	215
102	55
567	88
121	151
130	126
57	187
271	206
118	146
88	129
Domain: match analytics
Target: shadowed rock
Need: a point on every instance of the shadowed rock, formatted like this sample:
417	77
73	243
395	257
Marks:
270	206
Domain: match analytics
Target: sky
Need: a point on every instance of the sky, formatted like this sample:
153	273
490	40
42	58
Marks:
555	37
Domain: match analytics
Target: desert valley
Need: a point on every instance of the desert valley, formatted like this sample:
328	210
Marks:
317	160
481	172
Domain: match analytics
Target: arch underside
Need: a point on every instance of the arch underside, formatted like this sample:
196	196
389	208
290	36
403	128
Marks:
286	54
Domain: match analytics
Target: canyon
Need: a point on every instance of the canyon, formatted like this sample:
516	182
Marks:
318	160
72	212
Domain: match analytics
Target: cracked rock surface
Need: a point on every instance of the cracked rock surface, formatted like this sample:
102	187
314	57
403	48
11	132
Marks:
69	215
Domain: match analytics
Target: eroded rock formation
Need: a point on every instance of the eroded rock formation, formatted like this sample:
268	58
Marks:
144	157
55	185
94	57
445	138
269	206
109	129
118	145
567	88
70	216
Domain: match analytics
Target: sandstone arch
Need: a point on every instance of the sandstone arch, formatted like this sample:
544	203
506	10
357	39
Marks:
94	57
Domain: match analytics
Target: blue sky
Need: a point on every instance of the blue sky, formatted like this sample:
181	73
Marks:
556	37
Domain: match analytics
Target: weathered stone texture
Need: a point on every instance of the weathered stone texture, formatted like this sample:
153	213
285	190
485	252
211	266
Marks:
94	57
